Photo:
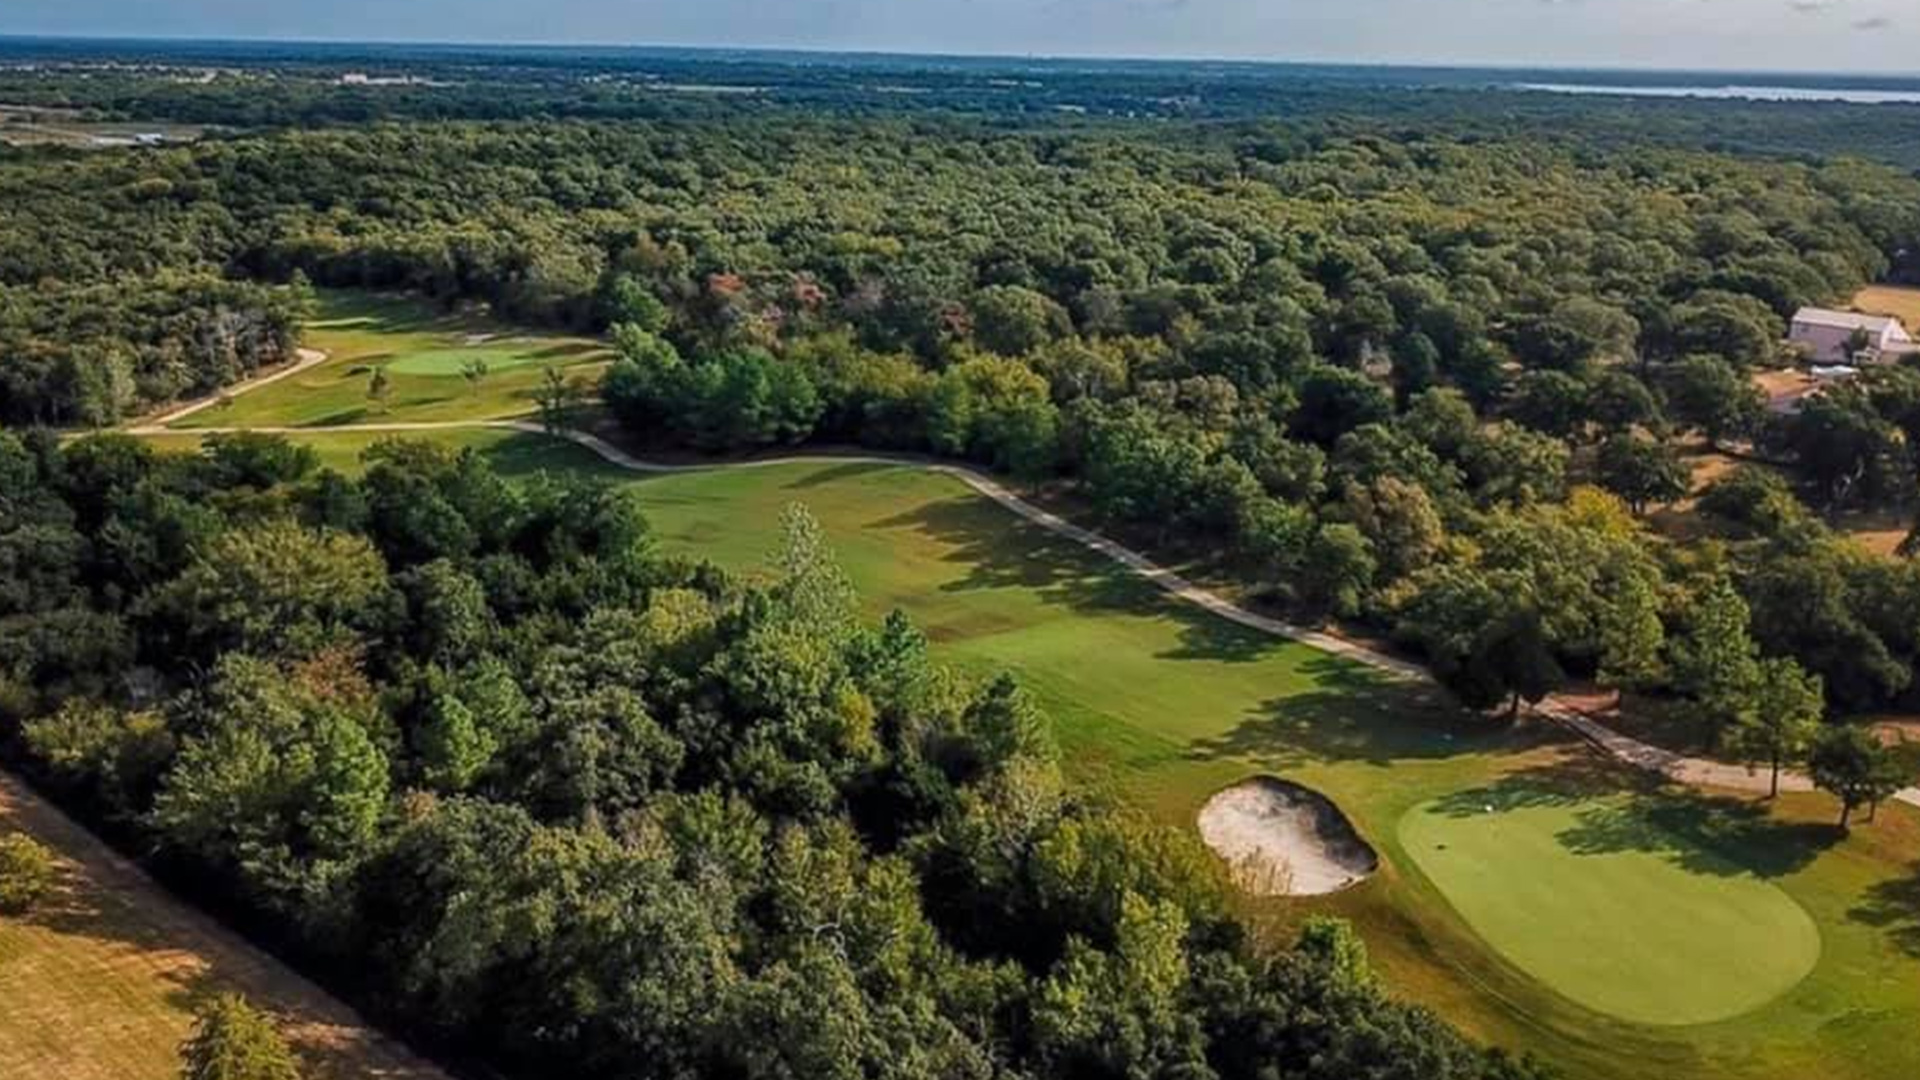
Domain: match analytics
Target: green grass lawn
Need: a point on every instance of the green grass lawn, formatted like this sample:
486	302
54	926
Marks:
423	354
1162	705
1614	909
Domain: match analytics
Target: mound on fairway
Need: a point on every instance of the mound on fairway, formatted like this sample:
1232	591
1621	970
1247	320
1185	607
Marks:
1285	840
1611	908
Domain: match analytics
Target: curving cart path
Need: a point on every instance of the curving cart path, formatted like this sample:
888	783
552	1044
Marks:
305	358
1697	772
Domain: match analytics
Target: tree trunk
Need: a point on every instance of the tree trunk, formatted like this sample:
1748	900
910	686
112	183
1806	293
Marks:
1846	812
1513	710
1873	811
1774	790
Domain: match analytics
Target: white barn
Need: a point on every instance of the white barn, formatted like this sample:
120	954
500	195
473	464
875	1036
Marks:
1828	336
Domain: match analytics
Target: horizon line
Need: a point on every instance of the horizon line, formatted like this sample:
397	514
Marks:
899	53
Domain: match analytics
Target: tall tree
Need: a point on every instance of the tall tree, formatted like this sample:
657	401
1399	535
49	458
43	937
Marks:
1708	393
1716	663
1641	471
1783	719
379	389
1850	764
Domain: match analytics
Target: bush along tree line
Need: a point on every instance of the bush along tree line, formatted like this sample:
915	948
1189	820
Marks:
233	1040
542	797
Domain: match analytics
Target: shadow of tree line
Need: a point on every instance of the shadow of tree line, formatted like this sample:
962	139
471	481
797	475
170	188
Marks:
1894	906
1619	811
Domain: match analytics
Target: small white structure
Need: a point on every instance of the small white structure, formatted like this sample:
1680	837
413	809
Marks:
1830	337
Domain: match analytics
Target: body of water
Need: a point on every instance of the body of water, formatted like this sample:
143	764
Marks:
1742	93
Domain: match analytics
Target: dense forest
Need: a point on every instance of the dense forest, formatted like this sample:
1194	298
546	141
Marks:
1368	370
563	806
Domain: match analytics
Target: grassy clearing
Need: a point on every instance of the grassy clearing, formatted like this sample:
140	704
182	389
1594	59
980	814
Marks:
32	125
423	354
100	982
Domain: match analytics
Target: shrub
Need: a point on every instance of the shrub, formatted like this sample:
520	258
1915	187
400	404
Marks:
27	873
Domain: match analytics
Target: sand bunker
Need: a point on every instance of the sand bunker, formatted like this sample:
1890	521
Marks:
1285	840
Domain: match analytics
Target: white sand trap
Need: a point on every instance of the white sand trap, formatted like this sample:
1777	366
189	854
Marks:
1285	840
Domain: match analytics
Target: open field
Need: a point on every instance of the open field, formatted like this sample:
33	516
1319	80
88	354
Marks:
100	983
423	354
1900	301
1619	928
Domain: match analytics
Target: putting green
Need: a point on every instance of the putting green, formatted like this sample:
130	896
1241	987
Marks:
1612	909
499	356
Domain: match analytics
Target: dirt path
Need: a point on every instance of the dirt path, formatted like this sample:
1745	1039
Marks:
1698	772
97	984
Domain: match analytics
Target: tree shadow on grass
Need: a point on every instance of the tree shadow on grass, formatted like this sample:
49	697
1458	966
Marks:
342	418
101	901
1622	810
520	455
1204	636
1002	551
1894	906
1703	834
1353	714
566	350
839	473
1567	782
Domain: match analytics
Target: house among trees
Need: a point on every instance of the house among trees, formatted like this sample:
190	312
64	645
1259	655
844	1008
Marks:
1845	337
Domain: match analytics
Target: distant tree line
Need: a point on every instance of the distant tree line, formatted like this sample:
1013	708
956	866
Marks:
273	85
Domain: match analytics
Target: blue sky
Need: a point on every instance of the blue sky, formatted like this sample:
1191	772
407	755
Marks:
1826	35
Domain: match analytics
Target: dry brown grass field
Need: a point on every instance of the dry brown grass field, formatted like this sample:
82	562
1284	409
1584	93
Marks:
1900	301
99	982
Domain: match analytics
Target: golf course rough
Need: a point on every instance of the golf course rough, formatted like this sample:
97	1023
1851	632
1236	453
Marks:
1613	914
